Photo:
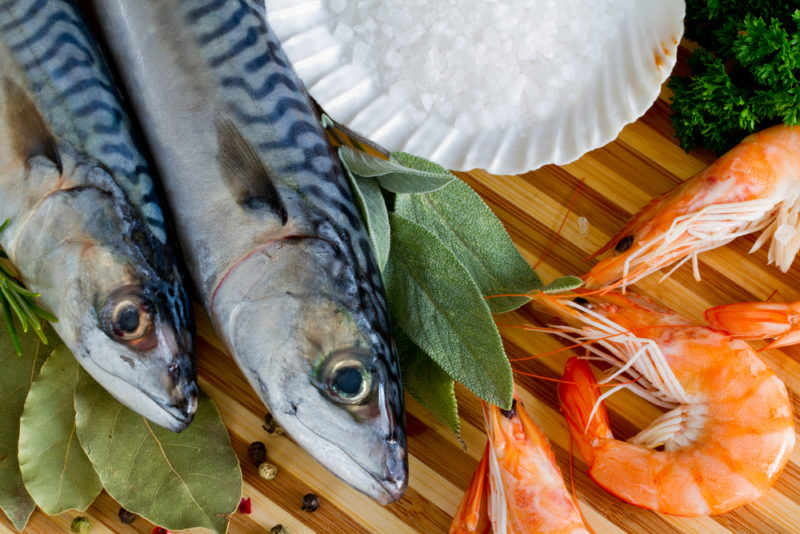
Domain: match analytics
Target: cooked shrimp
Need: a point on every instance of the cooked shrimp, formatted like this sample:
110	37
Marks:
758	320
526	492
753	187
728	430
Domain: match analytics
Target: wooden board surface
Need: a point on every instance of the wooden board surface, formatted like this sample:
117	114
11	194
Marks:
612	183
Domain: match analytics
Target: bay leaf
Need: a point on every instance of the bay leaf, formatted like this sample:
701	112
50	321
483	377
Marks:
437	303
18	373
401	173
427	382
177	481
56	471
458	216
373	210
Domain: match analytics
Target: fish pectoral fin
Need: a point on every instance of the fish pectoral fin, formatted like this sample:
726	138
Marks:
245	173
30	135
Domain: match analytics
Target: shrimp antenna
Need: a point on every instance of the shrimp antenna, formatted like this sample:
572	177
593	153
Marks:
552	243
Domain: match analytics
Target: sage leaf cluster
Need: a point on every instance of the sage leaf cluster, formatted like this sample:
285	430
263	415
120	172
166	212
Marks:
448	264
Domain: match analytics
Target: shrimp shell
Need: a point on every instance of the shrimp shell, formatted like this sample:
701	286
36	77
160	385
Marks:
517	488
753	187
728	430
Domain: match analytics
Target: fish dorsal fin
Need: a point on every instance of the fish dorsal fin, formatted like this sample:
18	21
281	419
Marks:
29	134
245	173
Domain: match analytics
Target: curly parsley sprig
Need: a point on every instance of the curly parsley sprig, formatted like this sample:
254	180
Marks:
17	301
745	78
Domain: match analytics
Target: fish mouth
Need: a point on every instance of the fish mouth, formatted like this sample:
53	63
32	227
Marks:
384	488
174	413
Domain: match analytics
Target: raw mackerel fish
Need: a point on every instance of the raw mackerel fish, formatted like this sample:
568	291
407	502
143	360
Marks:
85	227
269	228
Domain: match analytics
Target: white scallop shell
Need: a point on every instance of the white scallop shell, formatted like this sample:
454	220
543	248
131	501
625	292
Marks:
593	113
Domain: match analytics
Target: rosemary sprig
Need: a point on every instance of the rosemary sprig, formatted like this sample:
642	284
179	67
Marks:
17	301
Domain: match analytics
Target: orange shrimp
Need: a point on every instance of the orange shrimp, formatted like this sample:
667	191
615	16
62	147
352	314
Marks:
728	430
526	492
753	187
758	320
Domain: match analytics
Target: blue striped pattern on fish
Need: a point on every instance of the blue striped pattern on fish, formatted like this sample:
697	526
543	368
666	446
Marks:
86	230
53	46
268	226
272	108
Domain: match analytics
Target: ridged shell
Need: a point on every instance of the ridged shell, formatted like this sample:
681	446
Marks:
593	113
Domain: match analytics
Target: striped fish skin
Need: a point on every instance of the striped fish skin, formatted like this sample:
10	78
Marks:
86	230
268	227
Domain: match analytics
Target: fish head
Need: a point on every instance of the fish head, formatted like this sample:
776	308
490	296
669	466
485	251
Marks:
120	301
327	374
138	346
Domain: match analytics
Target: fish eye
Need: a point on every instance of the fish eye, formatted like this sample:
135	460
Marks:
624	244
350	383
347	378
127	316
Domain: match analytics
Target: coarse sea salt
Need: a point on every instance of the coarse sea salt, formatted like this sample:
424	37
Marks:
474	54
502	85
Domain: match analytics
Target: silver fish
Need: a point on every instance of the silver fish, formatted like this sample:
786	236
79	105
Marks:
268	226
86	230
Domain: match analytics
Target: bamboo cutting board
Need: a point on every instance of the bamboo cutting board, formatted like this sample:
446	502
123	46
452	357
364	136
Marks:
606	186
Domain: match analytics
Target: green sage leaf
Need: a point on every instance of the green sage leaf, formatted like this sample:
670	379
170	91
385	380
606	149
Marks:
401	173
465	224
178	481
373	209
18	373
56	471
565	283
438	304
427	382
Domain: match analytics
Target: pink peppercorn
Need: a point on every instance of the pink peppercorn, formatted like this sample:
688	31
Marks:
244	506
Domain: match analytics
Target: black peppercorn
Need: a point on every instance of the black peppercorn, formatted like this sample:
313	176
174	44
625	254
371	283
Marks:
271	426
310	502
257	452
126	516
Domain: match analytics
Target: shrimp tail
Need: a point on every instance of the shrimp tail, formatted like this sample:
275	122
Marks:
758	320
472	516
580	402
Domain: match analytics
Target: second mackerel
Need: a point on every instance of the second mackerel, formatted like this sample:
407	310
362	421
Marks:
269	227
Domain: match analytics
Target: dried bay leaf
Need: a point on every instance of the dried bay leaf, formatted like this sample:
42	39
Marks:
178	481
440	307
18	373
56	471
465	224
